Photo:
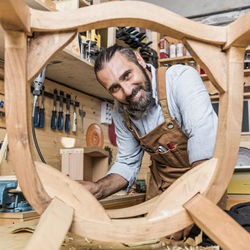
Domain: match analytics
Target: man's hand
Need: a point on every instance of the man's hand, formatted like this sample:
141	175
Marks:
92	187
106	186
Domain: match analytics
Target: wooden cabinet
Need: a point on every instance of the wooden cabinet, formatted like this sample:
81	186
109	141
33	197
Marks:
89	163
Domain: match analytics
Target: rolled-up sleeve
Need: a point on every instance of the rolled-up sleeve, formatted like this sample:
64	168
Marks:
199	121
129	152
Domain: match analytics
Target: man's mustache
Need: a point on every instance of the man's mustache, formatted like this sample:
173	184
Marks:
134	92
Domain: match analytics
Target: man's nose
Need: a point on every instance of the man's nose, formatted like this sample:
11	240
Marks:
127	89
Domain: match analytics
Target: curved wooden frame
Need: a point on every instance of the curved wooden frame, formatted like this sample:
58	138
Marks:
169	213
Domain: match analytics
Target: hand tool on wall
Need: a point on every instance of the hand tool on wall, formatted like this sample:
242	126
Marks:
60	113
82	115
38	83
41	111
74	123
54	116
67	119
37	115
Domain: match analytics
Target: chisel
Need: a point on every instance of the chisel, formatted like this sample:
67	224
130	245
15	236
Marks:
67	119
82	115
41	112
60	113
53	116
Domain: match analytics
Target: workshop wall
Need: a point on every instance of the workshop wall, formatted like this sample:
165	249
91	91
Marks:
51	141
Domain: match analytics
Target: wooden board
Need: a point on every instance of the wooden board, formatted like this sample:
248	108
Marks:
52	227
11	218
218	225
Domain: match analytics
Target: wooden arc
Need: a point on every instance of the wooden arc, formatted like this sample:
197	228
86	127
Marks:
167	215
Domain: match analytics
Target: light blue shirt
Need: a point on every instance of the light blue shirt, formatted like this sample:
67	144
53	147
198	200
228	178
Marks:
188	102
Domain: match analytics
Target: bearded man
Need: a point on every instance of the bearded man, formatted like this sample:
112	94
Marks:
167	113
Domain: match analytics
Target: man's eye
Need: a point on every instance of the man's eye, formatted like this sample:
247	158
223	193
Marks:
114	89
127	75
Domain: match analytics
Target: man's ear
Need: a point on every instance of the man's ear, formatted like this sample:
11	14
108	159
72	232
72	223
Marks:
140	59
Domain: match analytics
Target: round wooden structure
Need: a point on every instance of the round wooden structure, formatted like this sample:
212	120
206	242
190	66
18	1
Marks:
219	51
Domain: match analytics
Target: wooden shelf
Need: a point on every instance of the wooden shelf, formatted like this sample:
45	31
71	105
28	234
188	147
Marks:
75	72
70	69
246	72
41	4
204	77
176	59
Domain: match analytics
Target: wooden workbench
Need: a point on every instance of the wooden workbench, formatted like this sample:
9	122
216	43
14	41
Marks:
11	218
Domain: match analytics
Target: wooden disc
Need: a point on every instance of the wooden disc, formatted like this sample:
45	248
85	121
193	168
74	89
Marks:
94	136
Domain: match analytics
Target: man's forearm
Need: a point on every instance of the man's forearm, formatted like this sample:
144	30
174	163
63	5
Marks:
110	184
106	186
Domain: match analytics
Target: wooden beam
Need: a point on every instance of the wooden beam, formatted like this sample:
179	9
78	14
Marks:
185	187
71	192
212	59
15	15
239	32
43	47
217	224
16	106
229	126
90	219
125	13
52	227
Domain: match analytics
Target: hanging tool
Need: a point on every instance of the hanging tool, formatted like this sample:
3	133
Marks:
53	116
38	83
74	123
82	114
36	118
67	119
41	111
60	113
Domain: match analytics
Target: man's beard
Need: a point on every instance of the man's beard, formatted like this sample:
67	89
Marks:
140	108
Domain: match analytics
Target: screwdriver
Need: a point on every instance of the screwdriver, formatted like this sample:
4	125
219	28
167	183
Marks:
36	117
60	113
53	116
74	116
67	119
41	112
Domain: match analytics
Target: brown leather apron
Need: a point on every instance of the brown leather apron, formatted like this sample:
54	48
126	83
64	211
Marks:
166	144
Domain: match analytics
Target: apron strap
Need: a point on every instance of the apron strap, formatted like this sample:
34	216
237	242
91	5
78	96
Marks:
161	90
129	125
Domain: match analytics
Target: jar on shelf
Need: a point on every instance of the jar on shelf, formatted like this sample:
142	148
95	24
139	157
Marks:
164	48
172	50
179	49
